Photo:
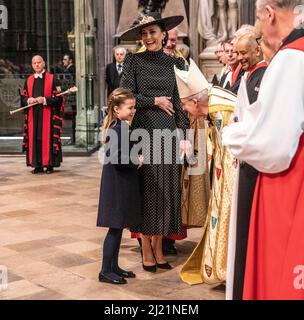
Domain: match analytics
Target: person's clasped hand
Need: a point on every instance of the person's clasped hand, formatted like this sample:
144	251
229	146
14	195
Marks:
31	100
165	104
40	100
141	161
186	148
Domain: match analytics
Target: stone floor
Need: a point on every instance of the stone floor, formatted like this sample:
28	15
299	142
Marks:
52	249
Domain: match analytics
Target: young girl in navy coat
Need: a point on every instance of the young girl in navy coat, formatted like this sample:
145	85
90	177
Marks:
119	203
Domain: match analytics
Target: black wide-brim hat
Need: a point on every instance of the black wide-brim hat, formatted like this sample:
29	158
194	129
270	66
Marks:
143	21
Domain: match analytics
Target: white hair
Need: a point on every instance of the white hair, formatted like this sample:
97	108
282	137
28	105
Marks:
201	96
250	37
119	48
244	29
287	4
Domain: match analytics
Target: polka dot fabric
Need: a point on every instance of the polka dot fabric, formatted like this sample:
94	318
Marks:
149	75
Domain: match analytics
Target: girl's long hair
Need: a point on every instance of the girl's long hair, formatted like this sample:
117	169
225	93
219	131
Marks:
116	98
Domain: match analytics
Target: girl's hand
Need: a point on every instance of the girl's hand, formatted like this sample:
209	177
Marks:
165	104
186	149
141	161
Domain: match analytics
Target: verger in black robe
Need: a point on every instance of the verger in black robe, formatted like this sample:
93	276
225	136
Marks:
42	124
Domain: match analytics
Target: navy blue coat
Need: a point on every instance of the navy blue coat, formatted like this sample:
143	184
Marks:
120	200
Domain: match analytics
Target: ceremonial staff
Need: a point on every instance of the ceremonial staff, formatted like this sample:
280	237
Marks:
71	90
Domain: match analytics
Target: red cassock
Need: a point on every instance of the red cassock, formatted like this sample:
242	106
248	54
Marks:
52	121
275	251
275	255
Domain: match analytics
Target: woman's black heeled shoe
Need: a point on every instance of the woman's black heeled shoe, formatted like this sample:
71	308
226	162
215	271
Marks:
150	268
164	266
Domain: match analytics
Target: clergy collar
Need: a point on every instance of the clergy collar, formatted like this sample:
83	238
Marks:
39	75
293	36
262	63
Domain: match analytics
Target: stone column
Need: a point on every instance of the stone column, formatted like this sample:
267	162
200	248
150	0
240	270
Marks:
129	12
101	48
106	42
80	58
89	57
247	12
109	29
193	33
177	7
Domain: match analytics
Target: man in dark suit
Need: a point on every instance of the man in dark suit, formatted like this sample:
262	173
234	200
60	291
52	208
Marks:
114	70
70	100
68	64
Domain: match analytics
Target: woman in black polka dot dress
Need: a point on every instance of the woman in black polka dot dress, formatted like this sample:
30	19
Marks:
150	76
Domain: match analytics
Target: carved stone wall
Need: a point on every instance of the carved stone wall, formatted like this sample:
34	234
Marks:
207	60
247	12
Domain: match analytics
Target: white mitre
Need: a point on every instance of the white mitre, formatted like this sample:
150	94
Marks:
190	82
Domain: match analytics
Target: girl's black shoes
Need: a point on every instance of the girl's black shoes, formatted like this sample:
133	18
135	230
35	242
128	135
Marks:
126	274
123	273
105	278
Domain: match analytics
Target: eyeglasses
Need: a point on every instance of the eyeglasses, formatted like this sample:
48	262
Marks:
259	40
218	51
229	52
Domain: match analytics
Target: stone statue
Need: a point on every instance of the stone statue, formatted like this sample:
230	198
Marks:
3	17
218	20
152	5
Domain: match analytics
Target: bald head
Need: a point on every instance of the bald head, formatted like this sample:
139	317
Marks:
38	64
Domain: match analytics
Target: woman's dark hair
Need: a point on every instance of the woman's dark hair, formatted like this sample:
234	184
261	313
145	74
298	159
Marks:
163	29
